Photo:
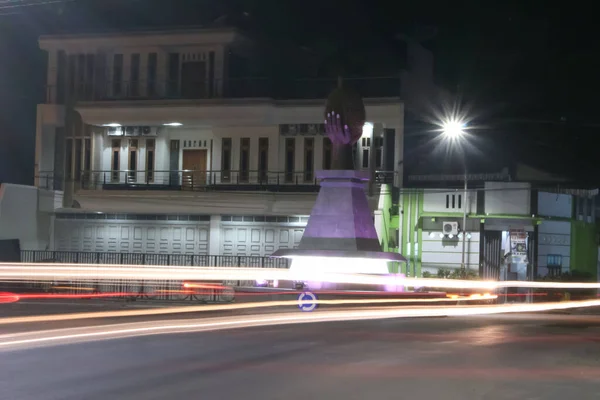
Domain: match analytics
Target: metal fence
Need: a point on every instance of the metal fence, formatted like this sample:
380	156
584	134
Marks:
188	260
191	180
102	88
151	290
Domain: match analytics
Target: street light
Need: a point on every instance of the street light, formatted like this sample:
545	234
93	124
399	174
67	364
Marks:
454	129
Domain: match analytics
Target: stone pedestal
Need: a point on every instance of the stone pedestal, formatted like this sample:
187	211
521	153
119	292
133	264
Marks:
340	235
341	219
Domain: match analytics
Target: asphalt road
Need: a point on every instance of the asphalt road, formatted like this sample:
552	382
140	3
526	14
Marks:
520	357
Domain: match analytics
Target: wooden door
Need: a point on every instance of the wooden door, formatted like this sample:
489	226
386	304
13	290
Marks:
194	166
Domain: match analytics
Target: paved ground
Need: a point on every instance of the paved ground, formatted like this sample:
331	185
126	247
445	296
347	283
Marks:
520	357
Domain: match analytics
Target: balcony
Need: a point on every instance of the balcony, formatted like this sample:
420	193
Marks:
190	180
232	88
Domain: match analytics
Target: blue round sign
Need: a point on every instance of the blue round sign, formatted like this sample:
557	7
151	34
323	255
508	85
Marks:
307	301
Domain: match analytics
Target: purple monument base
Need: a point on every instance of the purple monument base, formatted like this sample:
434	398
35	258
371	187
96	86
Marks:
340	235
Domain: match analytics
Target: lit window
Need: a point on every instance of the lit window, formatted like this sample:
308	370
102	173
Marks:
554	260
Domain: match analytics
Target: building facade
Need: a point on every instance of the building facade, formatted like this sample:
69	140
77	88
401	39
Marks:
167	142
512	231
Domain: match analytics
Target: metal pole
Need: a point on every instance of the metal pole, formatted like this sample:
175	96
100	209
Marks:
464	227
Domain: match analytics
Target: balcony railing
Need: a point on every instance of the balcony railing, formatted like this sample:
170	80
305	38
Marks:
300	181
232	88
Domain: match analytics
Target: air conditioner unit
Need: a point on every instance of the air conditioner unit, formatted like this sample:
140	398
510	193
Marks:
115	131
149	130
450	228
132	131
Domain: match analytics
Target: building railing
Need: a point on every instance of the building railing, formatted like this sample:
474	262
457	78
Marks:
189	260
230	88
194	180
152	290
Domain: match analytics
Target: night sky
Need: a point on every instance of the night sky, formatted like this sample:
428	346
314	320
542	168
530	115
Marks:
527	71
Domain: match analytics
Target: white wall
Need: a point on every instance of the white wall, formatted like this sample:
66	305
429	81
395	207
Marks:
47	154
555	205
187	202
507	198
554	237
447	253
124	236
435	200
20	217
237	238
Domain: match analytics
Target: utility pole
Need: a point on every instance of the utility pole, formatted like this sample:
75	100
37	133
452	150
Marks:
464	228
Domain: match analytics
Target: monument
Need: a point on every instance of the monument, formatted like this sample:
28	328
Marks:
340	235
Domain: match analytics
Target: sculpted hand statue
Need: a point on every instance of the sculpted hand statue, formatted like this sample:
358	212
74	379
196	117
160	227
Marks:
335	131
344	120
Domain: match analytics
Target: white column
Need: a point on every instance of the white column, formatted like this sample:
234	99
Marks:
375	133
214	241
52	77
399	155
38	143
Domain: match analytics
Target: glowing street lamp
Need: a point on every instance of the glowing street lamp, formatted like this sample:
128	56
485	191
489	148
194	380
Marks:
453	129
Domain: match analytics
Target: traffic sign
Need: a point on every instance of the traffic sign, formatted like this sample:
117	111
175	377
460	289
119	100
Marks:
307	301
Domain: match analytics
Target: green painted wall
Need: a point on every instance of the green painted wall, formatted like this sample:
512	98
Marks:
584	248
411	207
384	206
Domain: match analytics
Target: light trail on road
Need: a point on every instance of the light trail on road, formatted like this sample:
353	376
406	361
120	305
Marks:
512	308
121	331
223	307
93	272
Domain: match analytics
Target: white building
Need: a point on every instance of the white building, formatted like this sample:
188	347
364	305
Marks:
158	142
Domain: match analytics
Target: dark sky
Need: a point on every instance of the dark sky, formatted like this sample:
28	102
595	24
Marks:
510	60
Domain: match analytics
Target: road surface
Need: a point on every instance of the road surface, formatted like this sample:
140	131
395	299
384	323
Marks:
520	357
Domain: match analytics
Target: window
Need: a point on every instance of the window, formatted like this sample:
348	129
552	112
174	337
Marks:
290	159
78	159
244	159
366	146
87	155
80	76
211	74
378	141
89	76
150	146
116	161
365	158
309	159
132	166
61	78
226	160
69	159
173	83
554	260
152	71
71	64
263	159
554	264
453	201
134	75
327	153
117	84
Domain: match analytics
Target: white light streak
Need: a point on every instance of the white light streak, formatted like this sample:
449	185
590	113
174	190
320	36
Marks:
95	272
120	331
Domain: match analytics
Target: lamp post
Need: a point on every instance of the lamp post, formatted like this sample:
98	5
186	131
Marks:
453	130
